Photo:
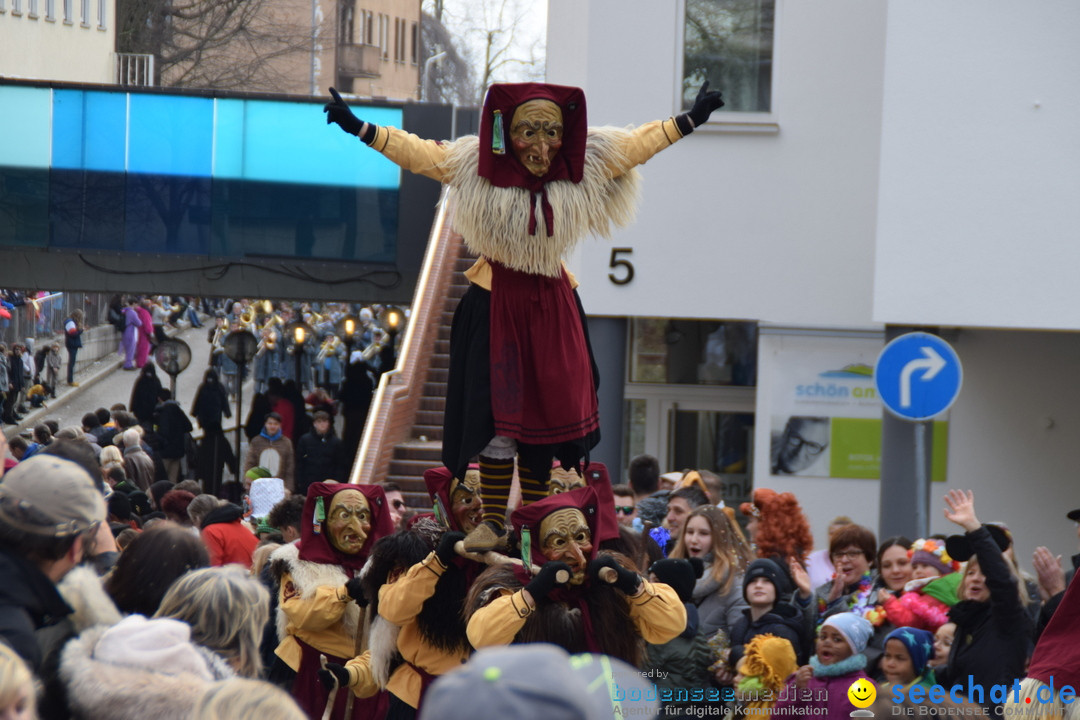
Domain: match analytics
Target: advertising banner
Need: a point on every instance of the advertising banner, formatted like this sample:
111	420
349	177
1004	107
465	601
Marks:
825	413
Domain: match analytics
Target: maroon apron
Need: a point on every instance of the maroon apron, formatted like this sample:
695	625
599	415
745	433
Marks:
542	390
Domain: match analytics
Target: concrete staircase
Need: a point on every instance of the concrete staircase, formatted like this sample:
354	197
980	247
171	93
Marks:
423	448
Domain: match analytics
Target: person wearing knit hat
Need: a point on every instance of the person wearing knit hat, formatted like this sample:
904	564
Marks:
760	674
907	652
929	558
531	186
839	662
930	593
767	589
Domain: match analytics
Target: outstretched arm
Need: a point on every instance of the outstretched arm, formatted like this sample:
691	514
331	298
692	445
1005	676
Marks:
650	138
412	153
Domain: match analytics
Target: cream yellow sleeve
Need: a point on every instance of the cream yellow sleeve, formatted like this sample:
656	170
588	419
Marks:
657	612
361	679
318	612
644	142
499	621
410	152
402	600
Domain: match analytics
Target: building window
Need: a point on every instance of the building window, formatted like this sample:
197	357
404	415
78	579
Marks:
729	43
101	14
347	27
16	7
69	11
32	10
693	352
86	13
50	10
415	43
369	28
385	36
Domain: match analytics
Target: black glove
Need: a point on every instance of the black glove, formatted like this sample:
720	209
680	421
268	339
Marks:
625	580
704	105
445	551
356	591
338	112
334	673
544	581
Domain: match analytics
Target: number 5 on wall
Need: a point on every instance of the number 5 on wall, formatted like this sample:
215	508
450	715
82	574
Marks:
617	262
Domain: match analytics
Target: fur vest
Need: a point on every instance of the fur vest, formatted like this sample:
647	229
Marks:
494	221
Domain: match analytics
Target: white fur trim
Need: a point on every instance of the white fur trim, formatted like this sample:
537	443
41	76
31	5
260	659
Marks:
494	221
83	590
382	641
307	577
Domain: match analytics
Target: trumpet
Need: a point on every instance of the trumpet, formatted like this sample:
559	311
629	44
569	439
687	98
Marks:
248	316
329	346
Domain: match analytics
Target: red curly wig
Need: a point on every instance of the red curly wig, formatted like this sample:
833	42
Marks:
782	527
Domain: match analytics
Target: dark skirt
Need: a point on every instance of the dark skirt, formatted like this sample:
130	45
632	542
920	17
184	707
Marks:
311	695
542	391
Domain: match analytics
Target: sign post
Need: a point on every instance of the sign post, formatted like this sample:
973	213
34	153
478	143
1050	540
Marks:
918	377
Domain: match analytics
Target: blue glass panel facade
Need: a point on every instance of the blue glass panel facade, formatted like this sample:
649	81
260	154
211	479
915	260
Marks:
175	174
171	135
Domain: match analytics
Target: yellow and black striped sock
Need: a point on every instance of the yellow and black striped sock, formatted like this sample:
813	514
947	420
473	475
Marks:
531	488
496	476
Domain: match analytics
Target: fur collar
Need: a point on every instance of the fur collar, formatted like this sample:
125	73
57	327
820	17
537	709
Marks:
307	577
82	589
494	221
100	690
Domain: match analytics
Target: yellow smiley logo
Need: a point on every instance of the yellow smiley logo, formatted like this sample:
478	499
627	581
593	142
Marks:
862	693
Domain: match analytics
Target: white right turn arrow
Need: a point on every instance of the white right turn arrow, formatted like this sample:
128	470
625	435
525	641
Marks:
931	364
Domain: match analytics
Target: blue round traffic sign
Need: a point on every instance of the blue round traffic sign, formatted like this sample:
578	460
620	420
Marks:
918	376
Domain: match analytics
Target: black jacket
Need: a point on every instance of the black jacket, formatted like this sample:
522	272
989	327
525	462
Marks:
173	426
31	610
783	621
991	637
318	458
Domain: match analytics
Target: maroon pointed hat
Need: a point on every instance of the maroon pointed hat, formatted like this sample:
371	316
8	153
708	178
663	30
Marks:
439	482
502	169
584	499
315	543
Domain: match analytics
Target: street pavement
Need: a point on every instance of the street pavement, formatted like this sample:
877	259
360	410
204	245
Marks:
105	383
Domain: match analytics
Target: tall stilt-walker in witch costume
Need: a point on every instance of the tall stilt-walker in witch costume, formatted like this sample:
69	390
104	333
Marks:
605	606
522	379
321	600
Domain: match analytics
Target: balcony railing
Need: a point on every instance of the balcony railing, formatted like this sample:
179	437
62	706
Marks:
134	70
358	61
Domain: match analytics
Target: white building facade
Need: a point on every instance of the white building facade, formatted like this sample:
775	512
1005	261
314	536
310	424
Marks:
879	166
69	40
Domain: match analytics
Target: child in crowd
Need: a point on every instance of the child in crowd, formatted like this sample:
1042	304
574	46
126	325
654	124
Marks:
766	588
821	688
943	640
907	652
931	591
767	660
16	687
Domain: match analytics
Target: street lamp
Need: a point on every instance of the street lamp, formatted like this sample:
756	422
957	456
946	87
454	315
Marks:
240	347
300	332
348	330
